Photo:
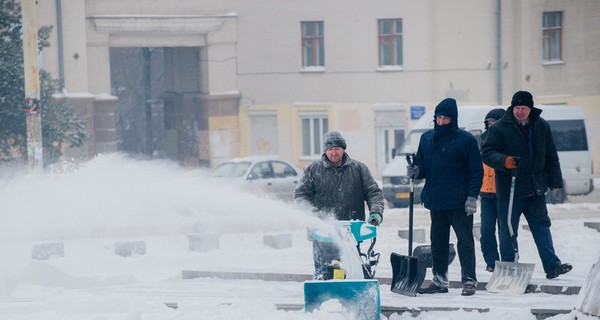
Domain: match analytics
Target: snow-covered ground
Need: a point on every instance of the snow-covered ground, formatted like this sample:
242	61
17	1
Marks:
113	199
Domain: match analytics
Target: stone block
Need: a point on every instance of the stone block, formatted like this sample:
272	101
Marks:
278	241
477	230
593	225
418	234
44	251
127	249
203	241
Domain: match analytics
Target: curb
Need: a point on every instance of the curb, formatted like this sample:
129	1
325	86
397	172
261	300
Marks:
192	274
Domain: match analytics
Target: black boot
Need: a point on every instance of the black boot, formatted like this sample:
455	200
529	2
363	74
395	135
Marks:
558	270
432	289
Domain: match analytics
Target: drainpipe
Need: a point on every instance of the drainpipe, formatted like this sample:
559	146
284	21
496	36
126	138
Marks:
59	34
499	52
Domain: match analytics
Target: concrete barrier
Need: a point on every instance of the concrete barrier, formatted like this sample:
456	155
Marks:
418	234
593	225
477	230
44	251
203	241
278	241
127	249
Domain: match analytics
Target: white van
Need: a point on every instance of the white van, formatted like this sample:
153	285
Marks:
568	129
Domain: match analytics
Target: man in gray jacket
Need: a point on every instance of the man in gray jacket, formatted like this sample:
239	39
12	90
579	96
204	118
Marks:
337	186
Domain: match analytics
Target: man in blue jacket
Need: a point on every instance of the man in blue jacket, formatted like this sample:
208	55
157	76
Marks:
523	133
449	159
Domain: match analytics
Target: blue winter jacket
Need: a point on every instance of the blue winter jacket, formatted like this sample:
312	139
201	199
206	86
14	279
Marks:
449	160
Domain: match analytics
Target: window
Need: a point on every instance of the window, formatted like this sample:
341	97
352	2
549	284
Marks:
552	36
313	128
390	42
313	50
282	169
569	135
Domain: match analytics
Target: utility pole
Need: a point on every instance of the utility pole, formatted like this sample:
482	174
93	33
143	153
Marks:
33	111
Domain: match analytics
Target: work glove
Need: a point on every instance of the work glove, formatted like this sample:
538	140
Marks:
412	171
470	206
510	163
375	218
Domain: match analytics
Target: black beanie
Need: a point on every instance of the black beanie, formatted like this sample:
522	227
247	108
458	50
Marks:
333	139
495	114
522	98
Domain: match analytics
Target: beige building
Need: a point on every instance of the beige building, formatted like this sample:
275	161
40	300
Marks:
269	77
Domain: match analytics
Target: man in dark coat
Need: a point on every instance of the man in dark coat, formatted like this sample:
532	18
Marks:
524	134
449	159
337	186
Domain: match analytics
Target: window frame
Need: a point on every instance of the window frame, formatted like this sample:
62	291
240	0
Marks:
312	146
389	43
552	30
314	41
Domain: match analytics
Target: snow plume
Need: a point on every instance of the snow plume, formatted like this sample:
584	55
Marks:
117	196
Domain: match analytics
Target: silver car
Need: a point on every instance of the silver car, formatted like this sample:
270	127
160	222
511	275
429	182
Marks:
263	175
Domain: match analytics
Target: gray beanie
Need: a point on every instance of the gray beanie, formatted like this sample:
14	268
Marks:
333	139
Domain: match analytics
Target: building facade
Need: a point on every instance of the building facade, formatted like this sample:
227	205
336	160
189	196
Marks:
271	76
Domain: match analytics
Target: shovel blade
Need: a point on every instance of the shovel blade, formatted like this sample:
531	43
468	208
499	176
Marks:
510	277
408	274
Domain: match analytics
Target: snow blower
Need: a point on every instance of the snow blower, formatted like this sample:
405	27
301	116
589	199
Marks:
511	277
352	282
407	273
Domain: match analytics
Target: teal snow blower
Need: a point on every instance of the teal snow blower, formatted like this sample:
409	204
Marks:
408	273
352	281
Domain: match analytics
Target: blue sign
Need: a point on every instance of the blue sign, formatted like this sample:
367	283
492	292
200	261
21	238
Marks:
416	112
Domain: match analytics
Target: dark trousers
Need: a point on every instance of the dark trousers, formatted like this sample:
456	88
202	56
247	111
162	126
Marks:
489	220
535	211
441	221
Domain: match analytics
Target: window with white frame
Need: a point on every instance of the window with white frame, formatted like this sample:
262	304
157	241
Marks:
314	126
552	36
313	46
390	42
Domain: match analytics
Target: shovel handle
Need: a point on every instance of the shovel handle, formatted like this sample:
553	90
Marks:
410	159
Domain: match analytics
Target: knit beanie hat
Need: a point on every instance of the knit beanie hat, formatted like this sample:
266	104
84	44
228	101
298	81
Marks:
495	114
522	98
333	139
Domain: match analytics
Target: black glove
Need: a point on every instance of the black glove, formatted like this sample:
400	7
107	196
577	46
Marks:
412	171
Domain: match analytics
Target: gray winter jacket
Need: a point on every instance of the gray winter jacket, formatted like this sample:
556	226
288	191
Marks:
339	191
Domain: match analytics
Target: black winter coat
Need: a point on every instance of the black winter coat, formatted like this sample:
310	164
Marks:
340	191
539	167
452	167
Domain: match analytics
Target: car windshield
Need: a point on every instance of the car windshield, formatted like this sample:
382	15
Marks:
230	169
411	143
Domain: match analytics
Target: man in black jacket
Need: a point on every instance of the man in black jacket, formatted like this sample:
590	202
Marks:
448	159
336	186
524	134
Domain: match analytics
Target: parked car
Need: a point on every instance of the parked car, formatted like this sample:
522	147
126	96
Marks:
263	175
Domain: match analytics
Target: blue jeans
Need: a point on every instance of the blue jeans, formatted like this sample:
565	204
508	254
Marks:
535	211
489	220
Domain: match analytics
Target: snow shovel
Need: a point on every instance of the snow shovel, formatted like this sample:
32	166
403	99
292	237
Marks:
407	273
511	277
